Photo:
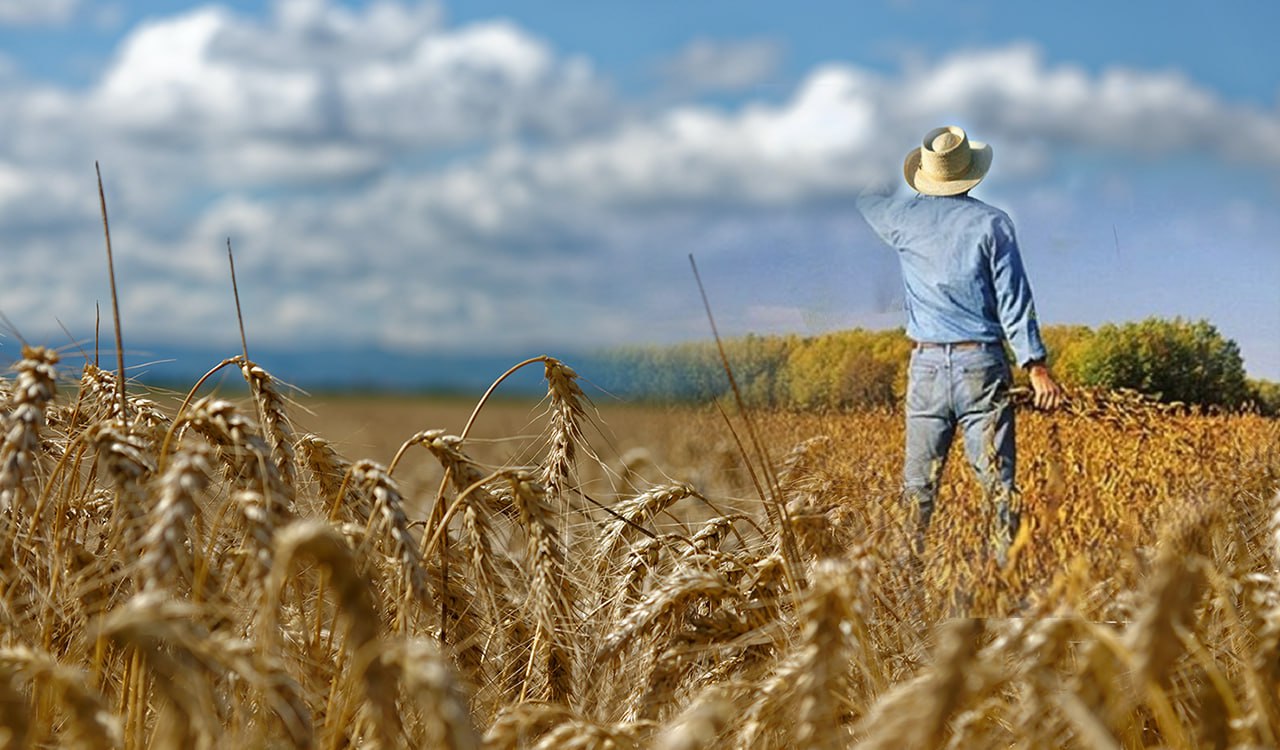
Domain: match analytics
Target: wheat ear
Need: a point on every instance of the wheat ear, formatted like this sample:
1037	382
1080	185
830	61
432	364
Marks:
432	686
124	461
806	692
165	543
331	470
98	399
550	595
91	724
520	724
465	474
15	719
261	532
319	542
638	512
686	585
274	418
146	625
488	582
389	507
915	713
701	724
171	633
31	395
578	734
1154	642
566	408
246	455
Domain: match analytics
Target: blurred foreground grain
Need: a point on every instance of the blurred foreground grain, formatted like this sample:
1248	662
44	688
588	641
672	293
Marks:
279	572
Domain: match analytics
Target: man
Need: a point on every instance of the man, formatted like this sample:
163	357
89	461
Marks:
966	293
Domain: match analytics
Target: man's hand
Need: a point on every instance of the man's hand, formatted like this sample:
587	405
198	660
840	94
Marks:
1048	394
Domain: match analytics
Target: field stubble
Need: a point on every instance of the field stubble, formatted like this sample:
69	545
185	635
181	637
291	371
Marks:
360	573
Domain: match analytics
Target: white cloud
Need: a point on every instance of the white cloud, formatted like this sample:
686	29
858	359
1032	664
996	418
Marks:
321	92
489	79
721	65
844	126
35	197
1013	94
37	12
166	76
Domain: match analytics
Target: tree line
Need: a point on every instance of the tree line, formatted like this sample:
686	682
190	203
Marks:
1175	360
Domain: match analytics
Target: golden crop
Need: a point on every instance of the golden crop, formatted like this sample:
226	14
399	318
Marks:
206	576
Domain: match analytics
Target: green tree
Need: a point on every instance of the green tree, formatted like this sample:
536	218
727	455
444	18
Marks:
759	365
1177	360
847	369
1067	345
1266	395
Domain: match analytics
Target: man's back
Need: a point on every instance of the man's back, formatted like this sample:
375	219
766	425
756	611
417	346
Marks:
961	268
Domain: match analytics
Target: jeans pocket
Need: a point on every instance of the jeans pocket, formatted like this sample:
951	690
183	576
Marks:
986	386
923	383
987	372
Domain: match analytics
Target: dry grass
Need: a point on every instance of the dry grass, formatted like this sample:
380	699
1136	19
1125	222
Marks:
570	576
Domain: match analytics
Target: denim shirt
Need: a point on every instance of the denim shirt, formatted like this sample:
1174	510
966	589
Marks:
961	268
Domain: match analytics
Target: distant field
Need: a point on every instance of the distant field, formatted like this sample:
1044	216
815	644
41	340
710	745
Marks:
676	443
1099	482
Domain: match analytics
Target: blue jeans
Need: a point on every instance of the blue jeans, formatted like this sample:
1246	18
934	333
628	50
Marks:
967	387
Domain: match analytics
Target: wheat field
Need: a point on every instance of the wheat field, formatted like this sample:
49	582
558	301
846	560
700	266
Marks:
200	572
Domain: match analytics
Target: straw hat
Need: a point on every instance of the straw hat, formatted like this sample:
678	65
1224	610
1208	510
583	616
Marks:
947	163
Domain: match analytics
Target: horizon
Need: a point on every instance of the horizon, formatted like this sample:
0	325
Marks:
605	372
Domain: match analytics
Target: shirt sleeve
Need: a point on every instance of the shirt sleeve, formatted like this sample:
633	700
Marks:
876	203
1016	308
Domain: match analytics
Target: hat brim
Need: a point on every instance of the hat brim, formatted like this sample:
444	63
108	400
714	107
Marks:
979	163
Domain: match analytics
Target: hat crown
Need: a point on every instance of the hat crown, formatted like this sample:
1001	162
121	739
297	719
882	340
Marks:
946	162
946	142
945	153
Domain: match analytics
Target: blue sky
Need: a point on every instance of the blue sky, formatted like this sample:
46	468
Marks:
516	175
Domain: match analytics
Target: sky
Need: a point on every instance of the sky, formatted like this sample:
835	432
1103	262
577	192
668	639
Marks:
501	176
